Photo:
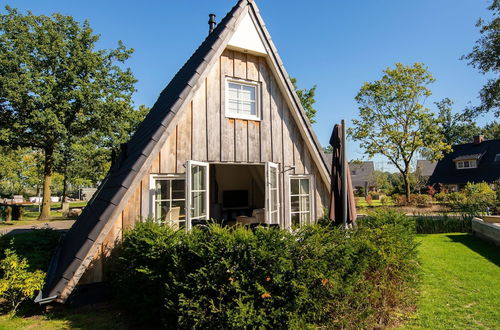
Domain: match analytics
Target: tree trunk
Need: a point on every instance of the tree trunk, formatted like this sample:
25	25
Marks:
406	178
65	186
47	181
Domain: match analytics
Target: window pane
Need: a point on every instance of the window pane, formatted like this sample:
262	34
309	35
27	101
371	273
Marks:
305	218
295	219
304	203
198	207
304	186
162	189
466	163
161	209
182	210
178	187
294	186
198	178
294	204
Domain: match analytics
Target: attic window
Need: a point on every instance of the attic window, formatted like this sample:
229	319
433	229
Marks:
497	158
463	164
241	99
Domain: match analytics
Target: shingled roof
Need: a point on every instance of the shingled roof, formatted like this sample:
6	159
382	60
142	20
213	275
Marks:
78	247
487	170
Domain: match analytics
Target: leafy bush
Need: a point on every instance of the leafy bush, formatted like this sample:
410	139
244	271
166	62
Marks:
421	200
475	199
17	283
442	224
375	195
441	196
385	200
317	276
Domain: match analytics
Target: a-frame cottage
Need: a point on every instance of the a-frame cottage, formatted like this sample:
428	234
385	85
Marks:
226	140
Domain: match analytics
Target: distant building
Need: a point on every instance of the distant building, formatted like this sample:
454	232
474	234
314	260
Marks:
362	174
425	168
474	162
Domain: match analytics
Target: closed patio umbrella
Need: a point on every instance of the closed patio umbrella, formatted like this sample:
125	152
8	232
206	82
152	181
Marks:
337	202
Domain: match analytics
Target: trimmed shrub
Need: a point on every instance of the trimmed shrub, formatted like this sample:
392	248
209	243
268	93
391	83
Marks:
369	200
317	276
422	200
443	224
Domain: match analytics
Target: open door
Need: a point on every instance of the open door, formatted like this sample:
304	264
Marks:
272	193
197	199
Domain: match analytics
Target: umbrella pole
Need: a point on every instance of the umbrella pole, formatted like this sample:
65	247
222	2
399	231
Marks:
344	177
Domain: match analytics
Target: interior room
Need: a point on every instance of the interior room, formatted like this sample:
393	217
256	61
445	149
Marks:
237	191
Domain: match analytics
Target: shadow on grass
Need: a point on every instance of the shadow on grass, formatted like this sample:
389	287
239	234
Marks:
484	248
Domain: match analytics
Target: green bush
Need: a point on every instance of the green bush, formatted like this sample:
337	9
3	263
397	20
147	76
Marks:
475	199
317	276
17	283
440	196
421	200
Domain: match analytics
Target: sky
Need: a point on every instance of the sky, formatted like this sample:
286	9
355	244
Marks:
334	44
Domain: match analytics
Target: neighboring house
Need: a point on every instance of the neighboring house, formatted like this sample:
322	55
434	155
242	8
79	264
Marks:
425	168
362	174
471	162
85	194
227	139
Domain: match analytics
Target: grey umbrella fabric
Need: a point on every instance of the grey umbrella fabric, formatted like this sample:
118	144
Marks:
336	204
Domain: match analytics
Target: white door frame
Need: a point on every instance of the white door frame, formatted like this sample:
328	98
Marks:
269	167
189	193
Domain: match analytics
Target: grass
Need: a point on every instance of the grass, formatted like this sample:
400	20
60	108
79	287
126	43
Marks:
31	213
461	283
82	318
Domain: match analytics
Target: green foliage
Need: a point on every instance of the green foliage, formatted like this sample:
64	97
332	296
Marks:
393	121
20	170
442	224
37	246
485	57
55	87
17	283
307	100
475	199
268	278
456	128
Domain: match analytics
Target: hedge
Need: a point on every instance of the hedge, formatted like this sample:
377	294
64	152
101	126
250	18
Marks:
317	276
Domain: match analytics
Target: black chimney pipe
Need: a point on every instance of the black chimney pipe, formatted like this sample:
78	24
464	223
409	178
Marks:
211	23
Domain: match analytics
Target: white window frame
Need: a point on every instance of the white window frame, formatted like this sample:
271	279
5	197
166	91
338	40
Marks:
190	191
152	188
471	163
311	197
270	210
254	84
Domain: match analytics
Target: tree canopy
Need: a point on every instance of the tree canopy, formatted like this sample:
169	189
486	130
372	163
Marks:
485	57
393	121
307	99
55	86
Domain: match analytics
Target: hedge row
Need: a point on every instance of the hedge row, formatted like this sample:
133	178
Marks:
318	276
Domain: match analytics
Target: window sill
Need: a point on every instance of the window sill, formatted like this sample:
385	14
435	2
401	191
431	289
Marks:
242	117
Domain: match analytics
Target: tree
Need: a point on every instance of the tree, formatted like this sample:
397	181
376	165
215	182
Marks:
485	57
491	130
86	159
456	128
54	85
307	100
393	121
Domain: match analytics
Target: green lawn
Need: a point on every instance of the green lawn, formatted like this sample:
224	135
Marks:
461	283
31	213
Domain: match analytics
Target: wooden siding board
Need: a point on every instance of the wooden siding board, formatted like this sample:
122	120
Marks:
184	140
199	126
288	141
252	67
241	137
240	65
298	152
168	156
227	124
276	122
253	141
265	127
214	113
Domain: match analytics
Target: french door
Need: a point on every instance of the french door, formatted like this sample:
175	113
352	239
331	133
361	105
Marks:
272	193
197	201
